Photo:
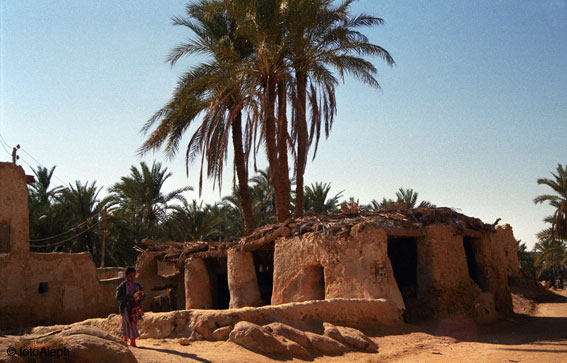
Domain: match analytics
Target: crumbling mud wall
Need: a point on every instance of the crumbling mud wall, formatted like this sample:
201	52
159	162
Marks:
49	288
43	288
428	262
164	289
458	273
318	267
505	250
14	219
454	270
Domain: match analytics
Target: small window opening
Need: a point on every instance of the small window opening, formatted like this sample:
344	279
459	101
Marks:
43	288
314	282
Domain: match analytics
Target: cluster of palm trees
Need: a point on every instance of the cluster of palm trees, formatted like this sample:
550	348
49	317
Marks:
76	219
548	261
269	79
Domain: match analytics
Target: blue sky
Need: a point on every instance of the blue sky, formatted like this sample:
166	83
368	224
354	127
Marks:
471	116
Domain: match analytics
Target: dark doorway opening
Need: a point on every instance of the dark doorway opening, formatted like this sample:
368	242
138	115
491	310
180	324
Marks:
218	277
402	253
264	266
314	282
471	246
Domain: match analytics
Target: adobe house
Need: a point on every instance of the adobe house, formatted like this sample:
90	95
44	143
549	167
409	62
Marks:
431	263
43	288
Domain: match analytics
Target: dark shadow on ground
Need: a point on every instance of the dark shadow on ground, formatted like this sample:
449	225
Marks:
181	354
515	329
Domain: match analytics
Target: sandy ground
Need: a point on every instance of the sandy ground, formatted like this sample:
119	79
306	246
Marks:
537	334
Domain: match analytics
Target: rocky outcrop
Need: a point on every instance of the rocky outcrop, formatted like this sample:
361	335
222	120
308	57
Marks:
74	343
288	329
278	338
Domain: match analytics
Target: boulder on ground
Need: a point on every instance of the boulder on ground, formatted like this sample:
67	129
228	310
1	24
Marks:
290	333
325	345
74	344
357	339
256	338
332	332
294	349
221	333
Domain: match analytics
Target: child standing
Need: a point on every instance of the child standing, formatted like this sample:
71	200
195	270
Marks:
125	294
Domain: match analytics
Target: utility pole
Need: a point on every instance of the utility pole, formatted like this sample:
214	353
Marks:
104	211
14	156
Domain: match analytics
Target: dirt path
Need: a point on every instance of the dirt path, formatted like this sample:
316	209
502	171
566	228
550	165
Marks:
538	337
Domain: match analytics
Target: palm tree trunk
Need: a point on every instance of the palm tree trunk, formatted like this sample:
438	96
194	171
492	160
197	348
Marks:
283	165
302	140
242	173
271	146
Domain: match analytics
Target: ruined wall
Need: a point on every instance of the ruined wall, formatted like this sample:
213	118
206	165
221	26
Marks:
505	251
456	272
162	293
43	288
49	288
325	267
450	288
14	207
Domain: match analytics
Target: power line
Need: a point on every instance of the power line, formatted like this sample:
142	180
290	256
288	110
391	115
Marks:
67	231
5	144
21	148
68	239
4	141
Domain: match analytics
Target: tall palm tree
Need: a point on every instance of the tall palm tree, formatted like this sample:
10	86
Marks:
558	201
213	89
140	199
262	24
280	41
322	36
